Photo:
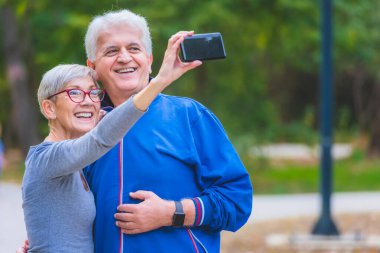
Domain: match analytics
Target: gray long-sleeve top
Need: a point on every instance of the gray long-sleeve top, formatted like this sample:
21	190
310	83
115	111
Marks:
59	209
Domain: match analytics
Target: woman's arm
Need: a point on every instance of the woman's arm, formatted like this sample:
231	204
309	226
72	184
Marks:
65	157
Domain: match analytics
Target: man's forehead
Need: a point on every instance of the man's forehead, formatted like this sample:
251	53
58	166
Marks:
115	36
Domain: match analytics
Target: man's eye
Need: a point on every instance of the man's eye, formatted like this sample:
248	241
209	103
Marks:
111	52
135	49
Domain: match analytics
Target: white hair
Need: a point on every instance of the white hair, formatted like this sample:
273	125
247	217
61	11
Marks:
122	17
58	77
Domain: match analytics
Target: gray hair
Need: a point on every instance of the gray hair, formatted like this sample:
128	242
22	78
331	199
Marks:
58	77
109	19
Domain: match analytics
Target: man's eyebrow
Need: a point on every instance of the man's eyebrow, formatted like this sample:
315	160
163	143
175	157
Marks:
109	47
134	44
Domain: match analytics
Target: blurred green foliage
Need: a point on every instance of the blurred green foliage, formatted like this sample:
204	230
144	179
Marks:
282	177
268	87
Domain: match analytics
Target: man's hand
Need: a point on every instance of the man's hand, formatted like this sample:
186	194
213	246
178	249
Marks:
152	213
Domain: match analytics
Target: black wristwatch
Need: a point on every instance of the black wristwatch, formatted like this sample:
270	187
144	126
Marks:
179	215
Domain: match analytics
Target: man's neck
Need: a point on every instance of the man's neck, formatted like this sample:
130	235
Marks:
119	101
114	101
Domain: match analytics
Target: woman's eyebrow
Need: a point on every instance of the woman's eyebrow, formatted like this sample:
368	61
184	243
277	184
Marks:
73	86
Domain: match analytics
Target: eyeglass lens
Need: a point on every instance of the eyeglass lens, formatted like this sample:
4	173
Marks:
77	95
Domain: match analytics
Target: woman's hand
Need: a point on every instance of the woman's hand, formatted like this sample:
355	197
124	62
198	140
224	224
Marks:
172	67
23	249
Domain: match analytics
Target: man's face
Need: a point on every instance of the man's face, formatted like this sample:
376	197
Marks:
122	63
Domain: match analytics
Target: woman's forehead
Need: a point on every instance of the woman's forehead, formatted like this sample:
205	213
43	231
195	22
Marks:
82	82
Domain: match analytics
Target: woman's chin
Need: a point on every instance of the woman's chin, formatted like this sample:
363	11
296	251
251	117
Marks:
82	131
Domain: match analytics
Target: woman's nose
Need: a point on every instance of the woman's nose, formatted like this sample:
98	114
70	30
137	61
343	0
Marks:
87	100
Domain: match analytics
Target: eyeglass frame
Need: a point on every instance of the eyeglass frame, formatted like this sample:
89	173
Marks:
83	98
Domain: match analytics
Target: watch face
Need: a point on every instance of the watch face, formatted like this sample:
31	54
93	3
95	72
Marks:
178	219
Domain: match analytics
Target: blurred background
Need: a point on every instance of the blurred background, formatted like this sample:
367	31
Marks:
266	92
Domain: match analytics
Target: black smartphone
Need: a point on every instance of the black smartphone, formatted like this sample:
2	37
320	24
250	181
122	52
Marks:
205	46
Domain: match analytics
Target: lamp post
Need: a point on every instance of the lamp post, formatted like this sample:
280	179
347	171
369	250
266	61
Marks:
325	225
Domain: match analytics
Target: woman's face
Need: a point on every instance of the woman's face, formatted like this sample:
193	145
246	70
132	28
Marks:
73	120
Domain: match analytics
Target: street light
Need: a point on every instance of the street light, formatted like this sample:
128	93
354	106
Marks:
325	225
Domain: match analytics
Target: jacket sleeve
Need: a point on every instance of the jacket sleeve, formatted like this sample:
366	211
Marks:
226	199
65	157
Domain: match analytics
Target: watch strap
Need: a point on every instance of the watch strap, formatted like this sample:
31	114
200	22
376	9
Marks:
179	215
178	207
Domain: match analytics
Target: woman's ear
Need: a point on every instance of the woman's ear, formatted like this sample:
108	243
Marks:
90	64
48	109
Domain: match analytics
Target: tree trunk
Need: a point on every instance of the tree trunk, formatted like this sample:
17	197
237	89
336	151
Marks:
359	76
374	138
23	113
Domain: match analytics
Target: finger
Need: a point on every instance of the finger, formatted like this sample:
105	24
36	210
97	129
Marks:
140	194
178	42
102	113
174	44
124	216
186	66
193	64
126	225
127	208
181	34
173	47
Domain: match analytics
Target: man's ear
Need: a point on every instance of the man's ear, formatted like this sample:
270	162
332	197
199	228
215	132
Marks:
48	109
150	63
90	64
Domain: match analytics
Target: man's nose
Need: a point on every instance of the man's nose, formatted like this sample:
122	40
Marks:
124	55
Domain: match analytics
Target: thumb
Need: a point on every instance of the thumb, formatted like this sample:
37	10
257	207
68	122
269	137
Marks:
192	65
102	113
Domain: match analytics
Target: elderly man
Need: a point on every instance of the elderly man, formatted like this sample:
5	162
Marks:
171	186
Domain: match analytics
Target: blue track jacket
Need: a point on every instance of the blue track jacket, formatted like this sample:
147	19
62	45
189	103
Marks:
178	149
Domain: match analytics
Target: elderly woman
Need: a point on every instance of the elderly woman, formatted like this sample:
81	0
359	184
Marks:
59	207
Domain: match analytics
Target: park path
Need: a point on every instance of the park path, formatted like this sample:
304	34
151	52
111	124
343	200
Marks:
265	207
12	227
269	207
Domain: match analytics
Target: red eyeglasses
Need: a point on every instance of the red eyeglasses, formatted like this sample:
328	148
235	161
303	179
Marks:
78	95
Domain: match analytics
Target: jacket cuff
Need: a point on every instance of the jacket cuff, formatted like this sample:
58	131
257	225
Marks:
203	211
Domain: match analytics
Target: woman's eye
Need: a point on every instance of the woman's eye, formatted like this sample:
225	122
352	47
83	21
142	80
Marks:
95	92
75	92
